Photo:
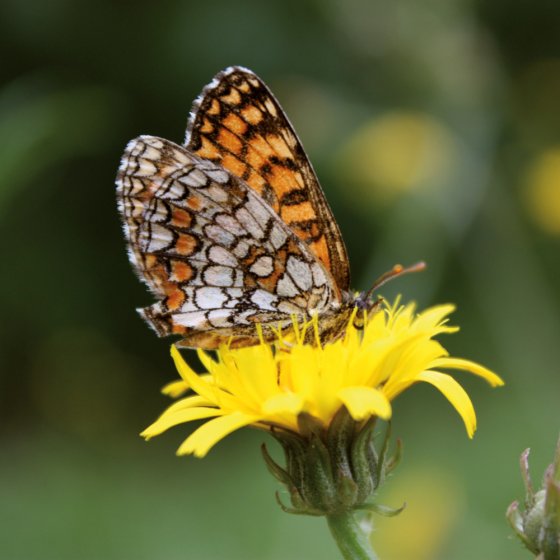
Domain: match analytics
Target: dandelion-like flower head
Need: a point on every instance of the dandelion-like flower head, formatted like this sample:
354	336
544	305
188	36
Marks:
270	386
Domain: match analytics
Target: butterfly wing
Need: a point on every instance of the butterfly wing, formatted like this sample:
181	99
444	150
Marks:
216	254
237	123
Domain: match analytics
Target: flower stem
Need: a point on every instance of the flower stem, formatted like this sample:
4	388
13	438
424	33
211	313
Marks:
351	539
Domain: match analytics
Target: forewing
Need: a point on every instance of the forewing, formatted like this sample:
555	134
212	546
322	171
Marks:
237	123
211	248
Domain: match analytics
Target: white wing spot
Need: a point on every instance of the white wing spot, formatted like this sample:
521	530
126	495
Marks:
194	178
182	158
218	275
145	169
263	266
286	288
133	207
219	255
230	223
264	300
157	238
210	298
152	153
300	272
189	305
194	319
233	294
278	236
220	318
217	193
144	142
219	235
157	211
241	249
249	223
319	277
289	307
136	186
172	191
239	276
258	210
218	175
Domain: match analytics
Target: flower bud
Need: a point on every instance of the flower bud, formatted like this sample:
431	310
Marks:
538	526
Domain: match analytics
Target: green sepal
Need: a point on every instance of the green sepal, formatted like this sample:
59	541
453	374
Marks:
515	520
392	463
319	489
274	468
527	482
381	469
294	451
364	461
385	511
347	492
295	510
339	440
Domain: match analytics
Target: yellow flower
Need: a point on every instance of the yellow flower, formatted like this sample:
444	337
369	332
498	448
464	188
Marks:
271	386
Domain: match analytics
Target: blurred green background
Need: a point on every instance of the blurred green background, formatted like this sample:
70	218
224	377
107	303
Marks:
434	128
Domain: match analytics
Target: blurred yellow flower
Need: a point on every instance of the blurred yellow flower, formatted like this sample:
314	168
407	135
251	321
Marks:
543	191
398	152
435	502
270	386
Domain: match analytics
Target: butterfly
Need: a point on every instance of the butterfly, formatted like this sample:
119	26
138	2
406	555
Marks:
232	229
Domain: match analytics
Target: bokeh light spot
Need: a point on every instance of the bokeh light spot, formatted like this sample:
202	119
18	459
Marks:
543	191
396	153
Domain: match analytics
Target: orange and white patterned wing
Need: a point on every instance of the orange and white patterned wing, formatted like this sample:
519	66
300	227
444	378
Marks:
216	254
237	123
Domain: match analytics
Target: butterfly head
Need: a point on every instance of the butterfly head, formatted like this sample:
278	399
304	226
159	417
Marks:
366	304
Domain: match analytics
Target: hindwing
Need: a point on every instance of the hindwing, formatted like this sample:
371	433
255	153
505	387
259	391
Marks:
219	256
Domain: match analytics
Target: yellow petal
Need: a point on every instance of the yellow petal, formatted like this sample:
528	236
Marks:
415	357
166	421
199	385
175	388
207	360
259	378
188	402
289	403
210	433
473	367
432	319
180	387
180	364
455	394
362	402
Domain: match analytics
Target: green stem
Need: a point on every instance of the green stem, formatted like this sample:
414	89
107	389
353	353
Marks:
350	538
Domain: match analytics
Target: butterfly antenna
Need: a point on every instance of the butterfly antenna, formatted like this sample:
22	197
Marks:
396	271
